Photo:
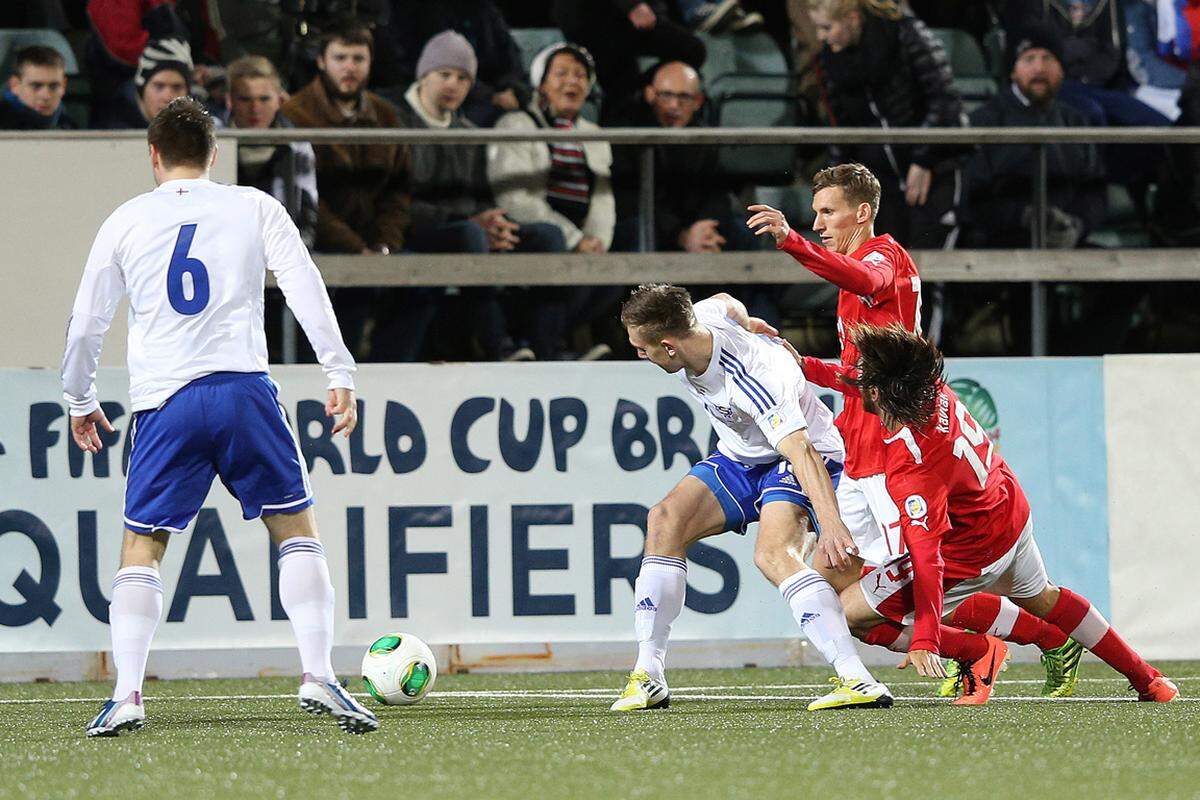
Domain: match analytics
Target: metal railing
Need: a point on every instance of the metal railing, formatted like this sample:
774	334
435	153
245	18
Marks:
742	267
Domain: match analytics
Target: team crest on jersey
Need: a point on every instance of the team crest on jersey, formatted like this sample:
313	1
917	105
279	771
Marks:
917	510
775	421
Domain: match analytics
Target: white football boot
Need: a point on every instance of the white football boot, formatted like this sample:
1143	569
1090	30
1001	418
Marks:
642	693
119	715
319	696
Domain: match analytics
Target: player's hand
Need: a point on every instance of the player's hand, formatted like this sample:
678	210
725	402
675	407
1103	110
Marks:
916	185
768	220
836	547
759	325
928	664
83	430
341	404
643	17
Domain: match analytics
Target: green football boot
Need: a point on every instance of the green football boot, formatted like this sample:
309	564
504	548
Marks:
1062	669
952	684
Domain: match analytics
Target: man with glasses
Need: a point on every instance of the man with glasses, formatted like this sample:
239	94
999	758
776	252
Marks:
693	209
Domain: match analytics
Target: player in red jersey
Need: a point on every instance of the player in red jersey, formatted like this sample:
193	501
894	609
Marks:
880	285
965	522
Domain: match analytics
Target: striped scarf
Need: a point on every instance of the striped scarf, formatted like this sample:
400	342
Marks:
569	188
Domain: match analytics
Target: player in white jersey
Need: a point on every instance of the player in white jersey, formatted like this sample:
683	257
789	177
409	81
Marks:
192	256
777	461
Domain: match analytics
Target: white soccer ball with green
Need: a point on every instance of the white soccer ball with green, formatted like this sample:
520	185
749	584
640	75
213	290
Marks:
399	669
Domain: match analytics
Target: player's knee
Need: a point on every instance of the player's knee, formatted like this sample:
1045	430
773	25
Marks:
664	529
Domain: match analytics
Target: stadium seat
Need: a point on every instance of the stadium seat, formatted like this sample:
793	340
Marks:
972	78
532	40
741	54
754	101
13	39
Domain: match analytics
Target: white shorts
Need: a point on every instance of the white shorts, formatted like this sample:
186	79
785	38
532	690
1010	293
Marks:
1018	573
871	516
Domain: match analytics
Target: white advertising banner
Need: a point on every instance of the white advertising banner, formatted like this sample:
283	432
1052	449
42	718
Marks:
474	504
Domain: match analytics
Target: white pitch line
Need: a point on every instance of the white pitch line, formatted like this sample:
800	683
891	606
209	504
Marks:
590	694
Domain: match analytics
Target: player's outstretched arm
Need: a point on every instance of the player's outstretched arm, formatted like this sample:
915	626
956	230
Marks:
835	545
100	292
736	310
305	293
857	277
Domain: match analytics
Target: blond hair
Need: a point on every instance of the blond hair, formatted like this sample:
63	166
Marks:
840	9
251	67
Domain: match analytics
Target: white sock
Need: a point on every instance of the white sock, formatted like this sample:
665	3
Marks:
819	613
658	600
306	594
137	598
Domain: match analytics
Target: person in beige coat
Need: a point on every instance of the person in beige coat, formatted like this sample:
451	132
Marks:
565	184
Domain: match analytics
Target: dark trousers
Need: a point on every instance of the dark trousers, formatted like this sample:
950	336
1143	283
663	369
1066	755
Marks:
403	323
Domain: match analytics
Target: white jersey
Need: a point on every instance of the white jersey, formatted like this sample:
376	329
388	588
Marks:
756	394
192	257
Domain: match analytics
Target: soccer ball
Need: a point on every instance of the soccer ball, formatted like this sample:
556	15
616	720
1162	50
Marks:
399	669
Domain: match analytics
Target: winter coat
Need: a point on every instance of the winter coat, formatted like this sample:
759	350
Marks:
1001	177
688	185
897	76
520	171
16	116
449	182
1093	50
290	176
363	188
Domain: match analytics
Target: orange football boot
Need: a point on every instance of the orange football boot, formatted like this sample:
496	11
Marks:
1160	690
979	677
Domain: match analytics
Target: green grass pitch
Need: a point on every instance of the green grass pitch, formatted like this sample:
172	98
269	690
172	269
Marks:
728	733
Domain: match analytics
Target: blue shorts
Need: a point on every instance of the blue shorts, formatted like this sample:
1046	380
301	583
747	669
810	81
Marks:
227	424
743	489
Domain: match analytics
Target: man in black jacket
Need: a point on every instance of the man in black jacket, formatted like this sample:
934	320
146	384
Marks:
693	208
33	99
1001	177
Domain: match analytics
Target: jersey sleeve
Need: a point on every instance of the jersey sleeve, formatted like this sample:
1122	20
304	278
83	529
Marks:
864	278
96	302
713	313
924	518
830	376
304	290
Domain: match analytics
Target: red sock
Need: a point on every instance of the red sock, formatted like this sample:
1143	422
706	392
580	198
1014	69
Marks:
1086	625
885	634
989	613
962	646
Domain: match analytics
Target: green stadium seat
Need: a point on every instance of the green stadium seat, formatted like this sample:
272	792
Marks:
973	79
753	101
530	41
13	39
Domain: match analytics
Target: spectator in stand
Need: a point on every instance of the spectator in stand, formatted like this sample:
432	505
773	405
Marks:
1159	68
499	85
452	206
881	67
287	172
693	204
162	75
617	32
122	30
1001	177
566	184
1095	78
364	200
33	99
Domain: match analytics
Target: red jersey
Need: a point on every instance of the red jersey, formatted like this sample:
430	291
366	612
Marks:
879	285
961	508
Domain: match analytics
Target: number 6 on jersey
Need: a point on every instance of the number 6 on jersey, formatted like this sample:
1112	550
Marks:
182	264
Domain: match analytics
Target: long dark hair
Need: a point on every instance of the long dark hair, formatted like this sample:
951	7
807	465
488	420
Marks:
906	370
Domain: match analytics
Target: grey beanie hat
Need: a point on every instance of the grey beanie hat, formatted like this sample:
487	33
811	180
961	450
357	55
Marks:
449	49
